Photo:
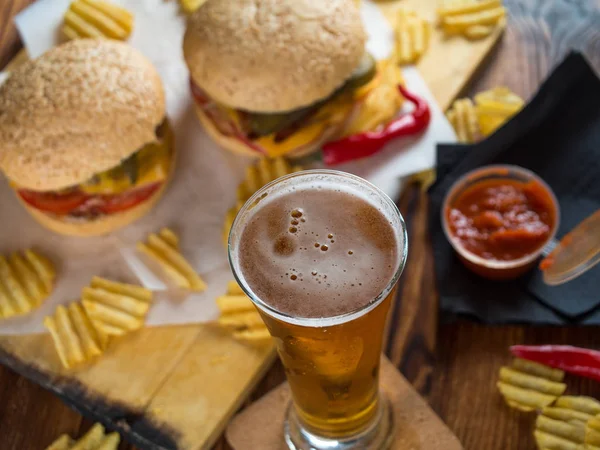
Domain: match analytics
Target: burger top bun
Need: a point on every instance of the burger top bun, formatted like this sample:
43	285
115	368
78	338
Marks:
273	55
75	111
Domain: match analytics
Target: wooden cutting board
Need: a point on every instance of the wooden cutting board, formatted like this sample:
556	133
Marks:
177	387
449	63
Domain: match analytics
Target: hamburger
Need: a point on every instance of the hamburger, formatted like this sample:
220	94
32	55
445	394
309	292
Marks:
277	77
84	141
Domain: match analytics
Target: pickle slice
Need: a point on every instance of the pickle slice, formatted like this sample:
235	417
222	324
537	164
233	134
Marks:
263	124
362	74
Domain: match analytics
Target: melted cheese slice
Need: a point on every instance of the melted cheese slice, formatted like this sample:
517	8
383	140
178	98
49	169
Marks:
332	113
153	162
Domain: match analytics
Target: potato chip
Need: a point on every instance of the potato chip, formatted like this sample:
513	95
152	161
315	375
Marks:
169	237
451	116
382	101
492	109
239	313
547	441
94	439
471	18
244	319
64	442
572	431
499	101
537	369
565	414
25	282
28	279
75	339
524	399
475	32
463	118
455	24
529	386
43	268
233	288
252	334
587	405
228	304
568	424
116	308
592	433
163	249
257	175
115	287
455	8
97	19
189	6
531	382
412	37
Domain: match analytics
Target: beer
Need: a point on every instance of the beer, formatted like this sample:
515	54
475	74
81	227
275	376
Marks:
320	258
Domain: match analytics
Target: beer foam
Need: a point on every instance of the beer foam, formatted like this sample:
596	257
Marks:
318	248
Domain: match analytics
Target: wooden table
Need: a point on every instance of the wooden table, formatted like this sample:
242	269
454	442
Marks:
454	366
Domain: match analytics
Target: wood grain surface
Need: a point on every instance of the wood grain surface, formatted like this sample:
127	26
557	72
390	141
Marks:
454	366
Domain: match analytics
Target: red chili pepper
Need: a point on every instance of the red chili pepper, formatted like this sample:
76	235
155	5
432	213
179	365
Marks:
575	360
365	144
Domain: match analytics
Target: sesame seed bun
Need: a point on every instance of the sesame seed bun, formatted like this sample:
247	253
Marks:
273	55
79	109
107	223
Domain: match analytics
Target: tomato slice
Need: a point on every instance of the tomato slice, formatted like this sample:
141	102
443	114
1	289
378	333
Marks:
116	203
57	203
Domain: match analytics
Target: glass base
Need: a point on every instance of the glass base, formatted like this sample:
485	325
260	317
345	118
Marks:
378	437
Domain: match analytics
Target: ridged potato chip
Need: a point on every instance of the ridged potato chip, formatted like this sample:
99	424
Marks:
552	430
475	32
257	175
592	433
75	338
491	110
25	282
382	101
163	249
413	34
116	308
463	117
228	304
252	334
95	439
587	405
529	386
239	314
97	19
459	7
62	443
568	424
495	107
471	18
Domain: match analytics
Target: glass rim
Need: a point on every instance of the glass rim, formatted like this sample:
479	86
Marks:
330	320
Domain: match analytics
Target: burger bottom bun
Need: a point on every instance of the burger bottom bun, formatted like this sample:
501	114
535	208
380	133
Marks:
98	226
239	147
107	223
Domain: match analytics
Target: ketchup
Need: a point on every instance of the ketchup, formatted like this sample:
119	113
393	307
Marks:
502	219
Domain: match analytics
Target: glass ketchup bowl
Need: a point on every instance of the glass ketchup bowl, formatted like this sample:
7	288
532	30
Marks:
500	219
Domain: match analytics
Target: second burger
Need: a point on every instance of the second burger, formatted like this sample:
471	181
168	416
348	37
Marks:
84	139
277	77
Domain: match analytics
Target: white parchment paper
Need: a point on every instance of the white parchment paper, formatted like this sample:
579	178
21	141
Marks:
204	184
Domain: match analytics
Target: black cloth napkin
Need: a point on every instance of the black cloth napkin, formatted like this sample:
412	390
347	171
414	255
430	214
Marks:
557	136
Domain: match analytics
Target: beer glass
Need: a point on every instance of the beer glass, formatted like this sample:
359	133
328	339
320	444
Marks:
331	363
